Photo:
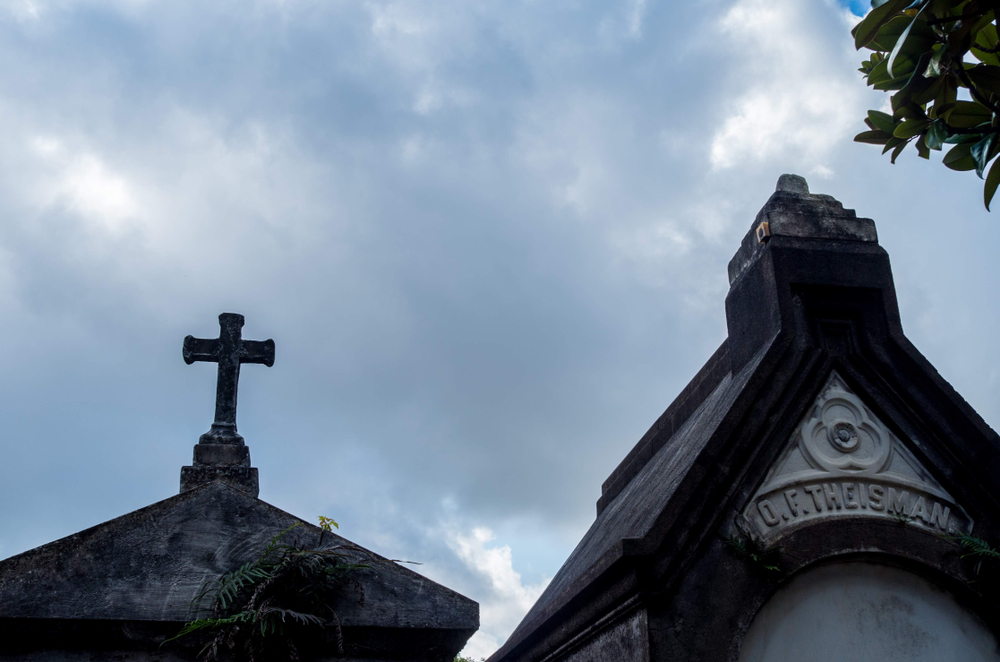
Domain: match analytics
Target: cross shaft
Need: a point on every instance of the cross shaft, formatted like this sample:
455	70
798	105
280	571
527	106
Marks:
229	350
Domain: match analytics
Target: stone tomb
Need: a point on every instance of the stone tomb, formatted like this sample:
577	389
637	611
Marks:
805	496
118	590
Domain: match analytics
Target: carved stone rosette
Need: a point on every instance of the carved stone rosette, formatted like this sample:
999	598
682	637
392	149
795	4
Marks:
843	462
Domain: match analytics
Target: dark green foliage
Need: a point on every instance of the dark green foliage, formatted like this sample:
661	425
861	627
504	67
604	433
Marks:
924	52
985	560
749	551
257	609
978	550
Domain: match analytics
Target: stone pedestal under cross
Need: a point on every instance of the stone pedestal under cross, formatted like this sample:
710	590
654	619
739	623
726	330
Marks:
220	453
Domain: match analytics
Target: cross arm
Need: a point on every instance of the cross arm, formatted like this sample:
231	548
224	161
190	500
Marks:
258	351
201	349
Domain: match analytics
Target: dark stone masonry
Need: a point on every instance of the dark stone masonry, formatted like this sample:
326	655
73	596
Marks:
118	590
805	496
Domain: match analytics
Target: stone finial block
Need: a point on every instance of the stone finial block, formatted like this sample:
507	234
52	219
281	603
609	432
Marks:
792	211
244	479
221	455
793	184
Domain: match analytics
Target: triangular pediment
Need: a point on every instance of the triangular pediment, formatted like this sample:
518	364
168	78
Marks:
843	462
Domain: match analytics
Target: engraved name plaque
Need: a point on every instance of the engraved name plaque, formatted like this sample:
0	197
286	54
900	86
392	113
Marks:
841	462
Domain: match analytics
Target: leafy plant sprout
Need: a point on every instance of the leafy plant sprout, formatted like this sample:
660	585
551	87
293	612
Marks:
976	548
749	551
928	53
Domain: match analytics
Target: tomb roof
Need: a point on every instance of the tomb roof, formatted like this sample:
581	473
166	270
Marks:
124	586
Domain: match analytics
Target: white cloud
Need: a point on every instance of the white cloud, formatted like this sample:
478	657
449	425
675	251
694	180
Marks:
508	600
795	106
22	10
83	183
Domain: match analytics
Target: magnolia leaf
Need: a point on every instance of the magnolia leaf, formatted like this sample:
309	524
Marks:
937	133
959	157
892	142
907	110
872	137
986	78
967	114
934	66
866	30
910	128
992	180
946	96
930	91
918	90
985	18
981	152
879	73
959	138
893	84
882	121
887	36
895	59
986	41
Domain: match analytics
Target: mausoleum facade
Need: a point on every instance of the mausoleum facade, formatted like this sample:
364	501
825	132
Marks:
817	492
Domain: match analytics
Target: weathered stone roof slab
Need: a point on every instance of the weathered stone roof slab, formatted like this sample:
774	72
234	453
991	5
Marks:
148	565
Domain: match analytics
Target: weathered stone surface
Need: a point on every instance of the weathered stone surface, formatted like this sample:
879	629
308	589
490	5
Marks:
794	212
813	321
624	640
133	578
149	565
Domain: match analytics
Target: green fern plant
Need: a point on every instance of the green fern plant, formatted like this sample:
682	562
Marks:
749	551
257	608
977	549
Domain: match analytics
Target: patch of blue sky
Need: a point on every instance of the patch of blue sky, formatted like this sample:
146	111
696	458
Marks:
857	7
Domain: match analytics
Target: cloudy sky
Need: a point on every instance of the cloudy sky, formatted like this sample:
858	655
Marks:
489	238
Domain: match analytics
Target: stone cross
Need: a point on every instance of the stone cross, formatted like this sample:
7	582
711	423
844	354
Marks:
229	350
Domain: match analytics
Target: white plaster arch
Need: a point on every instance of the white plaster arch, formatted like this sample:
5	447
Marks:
866	612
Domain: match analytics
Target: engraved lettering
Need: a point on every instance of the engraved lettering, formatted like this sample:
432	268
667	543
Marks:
841	461
897	501
815	491
793	504
767	512
832	494
849	501
876	497
920	510
939	516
